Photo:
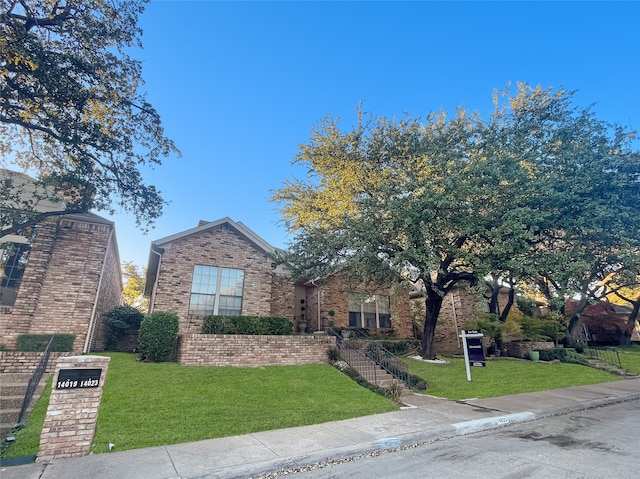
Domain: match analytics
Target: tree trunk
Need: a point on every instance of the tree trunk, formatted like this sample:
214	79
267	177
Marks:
433	306
574	321
494	305
507	308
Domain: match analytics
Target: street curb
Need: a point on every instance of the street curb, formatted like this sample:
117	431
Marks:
477	425
591	404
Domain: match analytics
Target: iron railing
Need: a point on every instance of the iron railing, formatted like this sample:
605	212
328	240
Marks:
608	355
369	357
602	353
36	376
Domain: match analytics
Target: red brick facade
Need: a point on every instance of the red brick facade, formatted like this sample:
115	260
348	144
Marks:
266	292
71	279
253	351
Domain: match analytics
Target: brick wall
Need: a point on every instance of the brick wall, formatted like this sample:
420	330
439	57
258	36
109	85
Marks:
72	414
222	247
26	362
109	295
334	296
60	284
458	308
252	351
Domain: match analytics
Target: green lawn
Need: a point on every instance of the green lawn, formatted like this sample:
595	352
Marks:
151	404
501	377
630	358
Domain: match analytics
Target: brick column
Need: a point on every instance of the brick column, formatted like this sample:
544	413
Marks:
72	414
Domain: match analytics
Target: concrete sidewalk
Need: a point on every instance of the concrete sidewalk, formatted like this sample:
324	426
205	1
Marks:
252	455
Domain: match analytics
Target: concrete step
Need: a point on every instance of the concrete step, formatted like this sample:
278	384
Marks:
11	402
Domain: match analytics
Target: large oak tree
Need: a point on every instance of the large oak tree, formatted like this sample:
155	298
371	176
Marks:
463	198
72	109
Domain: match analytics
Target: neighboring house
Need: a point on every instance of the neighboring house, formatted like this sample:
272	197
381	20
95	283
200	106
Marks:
224	268
605	323
60	276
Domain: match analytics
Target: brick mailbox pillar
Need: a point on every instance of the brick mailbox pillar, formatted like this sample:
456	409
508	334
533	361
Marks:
72	414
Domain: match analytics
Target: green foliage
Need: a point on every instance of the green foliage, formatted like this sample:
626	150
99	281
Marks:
562	354
417	383
547	328
120	321
489	324
401	347
355	375
501	378
28	438
157	335
72	108
133	291
136	410
539	191
261	325
38	342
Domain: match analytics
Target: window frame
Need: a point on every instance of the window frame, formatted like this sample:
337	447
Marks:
218	294
362	319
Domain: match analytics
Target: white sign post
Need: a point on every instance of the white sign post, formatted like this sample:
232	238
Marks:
467	361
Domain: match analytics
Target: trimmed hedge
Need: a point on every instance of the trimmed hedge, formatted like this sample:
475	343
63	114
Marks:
62	343
259	325
158	332
563	355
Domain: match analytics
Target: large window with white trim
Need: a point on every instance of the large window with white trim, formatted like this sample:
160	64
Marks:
369	311
216	291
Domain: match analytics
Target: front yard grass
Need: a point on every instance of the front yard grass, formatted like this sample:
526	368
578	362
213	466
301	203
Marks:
152	404
630	358
501	377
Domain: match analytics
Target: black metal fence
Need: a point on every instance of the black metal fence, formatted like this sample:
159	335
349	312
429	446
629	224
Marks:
605	354
34	381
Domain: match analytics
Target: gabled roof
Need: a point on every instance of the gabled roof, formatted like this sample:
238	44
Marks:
156	246
239	227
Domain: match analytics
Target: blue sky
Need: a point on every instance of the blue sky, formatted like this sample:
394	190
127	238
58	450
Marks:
239	85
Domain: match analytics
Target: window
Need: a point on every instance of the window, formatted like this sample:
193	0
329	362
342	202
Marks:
369	311
13	261
216	291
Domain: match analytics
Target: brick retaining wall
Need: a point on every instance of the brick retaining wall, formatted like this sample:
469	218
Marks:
520	349
252	351
26	362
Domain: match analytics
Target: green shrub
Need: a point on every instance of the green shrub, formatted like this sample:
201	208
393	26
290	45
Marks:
120	321
489	324
401	347
417	383
38	342
263	325
157	334
563	355
559	354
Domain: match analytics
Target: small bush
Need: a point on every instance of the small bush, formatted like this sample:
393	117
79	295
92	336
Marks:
563	355
417	383
157	334
38	342
394	391
333	354
263	325
120	321
401	346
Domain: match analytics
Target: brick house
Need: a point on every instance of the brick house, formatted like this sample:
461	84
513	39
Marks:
222	267
61	276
